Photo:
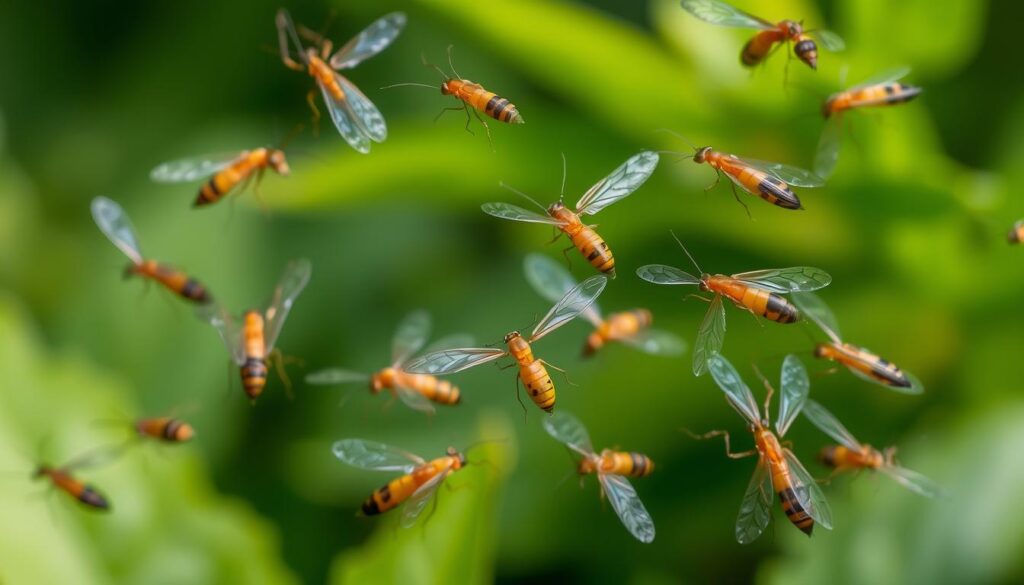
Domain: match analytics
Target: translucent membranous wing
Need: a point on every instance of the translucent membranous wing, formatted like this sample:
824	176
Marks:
572	304
335	376
786	280
728	379
807	491
294	279
830	425
372	40
886	76
374	456
410	336
414	399
366	115
192	169
710	336
114	223
449	361
620	183
628	506
224	323
657	342
723	14
552	281
756	506
344	120
914	481
663	274
793	175
568	430
794	385
827	156
829	39
812	307
516	213
418	500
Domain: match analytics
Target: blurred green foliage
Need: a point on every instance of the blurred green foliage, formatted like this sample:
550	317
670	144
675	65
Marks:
911	228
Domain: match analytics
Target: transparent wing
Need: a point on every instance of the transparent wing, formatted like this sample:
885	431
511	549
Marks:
418	500
568	430
710	336
224	323
414	400
628	506
410	336
795	386
374	39
807	491
374	456
914	481
829	39
192	169
114	223
827	156
449	361
815	309
516	213
335	376
830	425
662	274
786	280
886	76
728	379
452	341
657	342
294	279
793	175
552	281
344	120
721	13
572	304
756	507
366	115
620	183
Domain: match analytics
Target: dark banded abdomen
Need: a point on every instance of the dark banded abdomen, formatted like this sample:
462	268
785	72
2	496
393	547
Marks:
173	280
594	249
394	493
769	305
830	455
92	498
777	192
538	384
502	110
84	493
862	361
484	101
223	181
794	510
807	51
254	376
629	464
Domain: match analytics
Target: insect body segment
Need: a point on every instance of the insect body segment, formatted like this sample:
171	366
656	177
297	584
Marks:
225	171
65	482
767	180
165	428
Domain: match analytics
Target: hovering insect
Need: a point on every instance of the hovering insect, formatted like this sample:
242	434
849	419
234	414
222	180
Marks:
251	345
417	391
882	90
799	494
353	114
165	429
862	362
114	223
616	186
763	43
851	455
632	327
226	171
758	292
62	479
1016	234
612	468
414	488
532	371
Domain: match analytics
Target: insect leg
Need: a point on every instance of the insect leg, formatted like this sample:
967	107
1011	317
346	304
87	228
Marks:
441	113
564	373
718	178
737	196
469	120
565	253
486	127
278	358
520	398
696	296
725	434
310	97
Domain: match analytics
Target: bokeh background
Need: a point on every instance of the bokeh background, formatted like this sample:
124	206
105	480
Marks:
912	228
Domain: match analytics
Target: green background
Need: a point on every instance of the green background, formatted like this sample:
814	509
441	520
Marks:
912	228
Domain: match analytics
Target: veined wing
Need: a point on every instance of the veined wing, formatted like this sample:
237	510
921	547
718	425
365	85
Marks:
192	169
372	40
887	76
414	399
375	456
224	323
410	336
756	507
723	14
552	281
620	183
418	500
786	280
815	309
828	39
114	223
568	430
663	274
830	425
450	361
367	116
914	481
516	213
827	155
336	376
736	391
788	174
657	342
294	279
345	120
628	506
807	491
572	304
710	336
452	341
795	386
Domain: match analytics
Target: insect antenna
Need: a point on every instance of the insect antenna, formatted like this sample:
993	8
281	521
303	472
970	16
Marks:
409	83
423	57
286	30
292	135
678	136
678	241
561	194
451	64
521	194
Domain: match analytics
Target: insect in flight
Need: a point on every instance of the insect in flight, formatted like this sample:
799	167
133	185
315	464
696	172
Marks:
417	484
882	90
353	114
226	172
862	362
759	292
165	429
616	186
114	223
62	478
633	327
1016	234
851	455
763	43
251	344
778	470
612	468
418	391
532	370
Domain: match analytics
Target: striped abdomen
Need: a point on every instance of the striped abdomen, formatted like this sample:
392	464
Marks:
806	50
85	494
864	362
840	457
533	374
254	369
628	464
1016	234
431	387
758	47
754	181
769	305
783	485
399	489
616	327
173	280
227	178
482	100
882	94
165	429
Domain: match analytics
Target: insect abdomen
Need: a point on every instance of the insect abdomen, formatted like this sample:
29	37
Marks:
790	503
538	385
594	249
807	51
629	464
488	102
176	281
757	47
769	305
394	493
433	388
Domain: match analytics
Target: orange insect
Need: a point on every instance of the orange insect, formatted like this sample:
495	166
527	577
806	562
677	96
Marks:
226	171
62	479
1016	234
114	223
164	428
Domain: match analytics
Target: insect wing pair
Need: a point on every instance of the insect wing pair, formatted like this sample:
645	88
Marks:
720	13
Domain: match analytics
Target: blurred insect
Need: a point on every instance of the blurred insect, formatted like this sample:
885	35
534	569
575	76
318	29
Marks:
778	470
758	292
632	327
862	362
417	484
227	172
615	187
62	479
882	90
851	455
417	391
114	223
353	114
1016	234
532	371
612	468
165	429
771	36
251	345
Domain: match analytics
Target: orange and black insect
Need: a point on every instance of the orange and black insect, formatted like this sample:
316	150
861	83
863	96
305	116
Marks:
615	187
114	223
164	428
63	480
764	43
226	172
1016	234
